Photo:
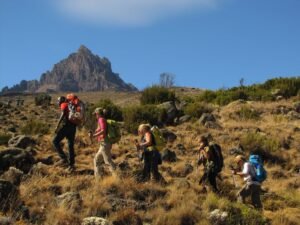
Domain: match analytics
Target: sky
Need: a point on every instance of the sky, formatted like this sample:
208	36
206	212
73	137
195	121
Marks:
207	44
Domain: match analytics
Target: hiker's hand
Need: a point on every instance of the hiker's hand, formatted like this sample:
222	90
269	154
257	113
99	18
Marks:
90	134
233	172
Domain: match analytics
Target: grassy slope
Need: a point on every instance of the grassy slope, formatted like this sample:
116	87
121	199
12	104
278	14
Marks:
181	200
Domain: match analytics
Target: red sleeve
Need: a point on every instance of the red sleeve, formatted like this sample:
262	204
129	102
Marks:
64	106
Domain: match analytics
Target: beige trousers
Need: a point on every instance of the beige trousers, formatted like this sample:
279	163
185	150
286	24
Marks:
105	152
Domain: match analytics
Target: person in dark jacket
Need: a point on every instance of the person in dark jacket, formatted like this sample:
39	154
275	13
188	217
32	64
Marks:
65	129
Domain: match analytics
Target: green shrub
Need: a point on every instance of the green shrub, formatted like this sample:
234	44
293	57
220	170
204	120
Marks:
156	95
34	127
197	109
113	112
4	138
246	113
135	115
252	141
207	96
42	99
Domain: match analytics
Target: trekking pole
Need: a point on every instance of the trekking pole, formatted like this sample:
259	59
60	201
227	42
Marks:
233	177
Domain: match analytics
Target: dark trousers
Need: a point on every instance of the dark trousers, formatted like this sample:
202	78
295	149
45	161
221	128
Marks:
211	176
151	166
67	131
252	190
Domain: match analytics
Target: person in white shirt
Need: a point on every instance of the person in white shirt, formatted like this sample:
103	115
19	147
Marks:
251	188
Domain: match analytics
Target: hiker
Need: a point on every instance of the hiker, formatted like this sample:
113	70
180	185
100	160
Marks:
212	161
151	155
248	172
65	129
105	146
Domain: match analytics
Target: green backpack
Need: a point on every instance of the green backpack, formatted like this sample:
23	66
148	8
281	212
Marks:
160	142
113	131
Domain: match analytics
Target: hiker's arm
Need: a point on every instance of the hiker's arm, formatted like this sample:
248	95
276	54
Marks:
148	141
101	129
59	121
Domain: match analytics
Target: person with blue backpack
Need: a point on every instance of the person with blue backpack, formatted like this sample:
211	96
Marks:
253	174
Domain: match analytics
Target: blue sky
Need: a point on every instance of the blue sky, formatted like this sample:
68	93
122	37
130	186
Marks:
205	43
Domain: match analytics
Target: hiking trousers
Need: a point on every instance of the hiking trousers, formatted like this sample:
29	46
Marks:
68	131
211	176
252	190
105	153
151	161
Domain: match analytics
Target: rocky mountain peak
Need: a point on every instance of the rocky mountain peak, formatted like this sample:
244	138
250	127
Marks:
80	71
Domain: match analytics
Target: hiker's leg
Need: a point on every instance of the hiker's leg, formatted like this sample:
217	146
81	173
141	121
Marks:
106	153
255	196
147	166
97	162
60	135
71	140
154	167
212	180
243	193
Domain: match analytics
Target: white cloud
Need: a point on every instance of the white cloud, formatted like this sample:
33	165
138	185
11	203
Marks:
129	12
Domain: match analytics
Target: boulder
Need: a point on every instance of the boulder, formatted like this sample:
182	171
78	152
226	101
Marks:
292	115
205	117
171	110
94	221
70	200
6	220
184	118
16	157
212	125
218	217
13	175
21	141
168	135
168	156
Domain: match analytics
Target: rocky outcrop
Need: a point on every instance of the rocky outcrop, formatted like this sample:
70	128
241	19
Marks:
81	71
16	157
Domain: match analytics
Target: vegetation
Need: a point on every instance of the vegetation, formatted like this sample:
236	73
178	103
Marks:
135	115
196	109
42	99
35	127
113	112
247	113
285	87
157	95
4	138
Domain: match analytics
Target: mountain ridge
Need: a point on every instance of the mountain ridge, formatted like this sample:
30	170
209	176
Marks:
81	71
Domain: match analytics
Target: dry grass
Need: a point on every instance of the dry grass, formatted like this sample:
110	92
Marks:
180	201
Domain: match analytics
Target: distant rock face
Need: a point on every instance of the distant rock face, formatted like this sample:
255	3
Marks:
81	71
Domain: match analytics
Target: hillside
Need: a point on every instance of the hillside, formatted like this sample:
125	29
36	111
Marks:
81	71
273	126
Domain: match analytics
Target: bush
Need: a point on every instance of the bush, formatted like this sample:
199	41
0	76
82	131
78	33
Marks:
207	96
42	99
113	112
246	113
4	138
157	95
33	127
254	141
197	109
135	115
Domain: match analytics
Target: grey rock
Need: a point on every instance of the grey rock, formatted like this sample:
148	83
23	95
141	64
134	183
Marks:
297	107
13	175
218	217
168	135
184	119
6	220
168	156
16	157
212	125
94	221
172	111
21	141
205	117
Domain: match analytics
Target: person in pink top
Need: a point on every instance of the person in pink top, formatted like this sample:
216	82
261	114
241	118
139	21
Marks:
105	147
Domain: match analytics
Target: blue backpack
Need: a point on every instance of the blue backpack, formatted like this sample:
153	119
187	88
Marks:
261	173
